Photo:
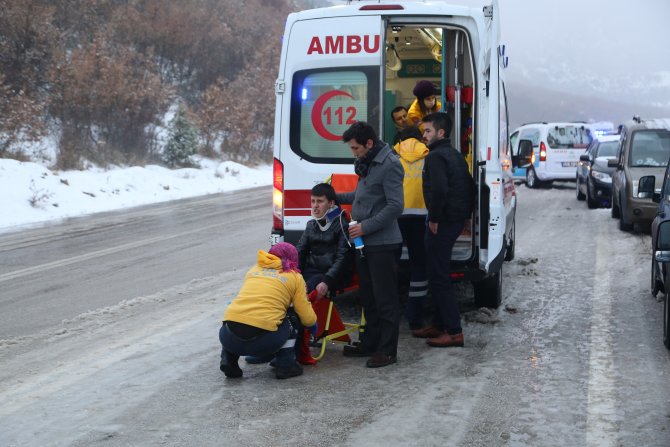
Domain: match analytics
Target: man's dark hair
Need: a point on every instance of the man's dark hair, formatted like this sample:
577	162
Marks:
440	120
398	109
410	132
361	132
324	189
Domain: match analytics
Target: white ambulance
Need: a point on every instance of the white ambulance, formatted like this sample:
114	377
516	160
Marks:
359	61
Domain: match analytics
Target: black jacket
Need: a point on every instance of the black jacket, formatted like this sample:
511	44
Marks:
327	251
448	187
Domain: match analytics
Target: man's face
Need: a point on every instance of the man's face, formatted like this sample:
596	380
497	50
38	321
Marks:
359	150
320	206
430	135
400	119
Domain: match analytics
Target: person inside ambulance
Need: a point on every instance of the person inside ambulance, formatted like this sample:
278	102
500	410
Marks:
412	152
400	121
424	104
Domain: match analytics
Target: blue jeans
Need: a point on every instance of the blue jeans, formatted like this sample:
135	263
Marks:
438	248
280	342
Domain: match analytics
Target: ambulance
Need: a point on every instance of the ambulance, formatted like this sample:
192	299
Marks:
357	62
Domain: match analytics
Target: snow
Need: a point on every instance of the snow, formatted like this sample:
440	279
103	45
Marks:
34	194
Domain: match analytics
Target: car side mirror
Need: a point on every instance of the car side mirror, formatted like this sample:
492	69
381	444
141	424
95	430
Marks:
646	187
613	163
584	157
525	153
662	253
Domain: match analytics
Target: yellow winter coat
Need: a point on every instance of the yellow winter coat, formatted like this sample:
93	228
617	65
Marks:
414	115
412	153
266	295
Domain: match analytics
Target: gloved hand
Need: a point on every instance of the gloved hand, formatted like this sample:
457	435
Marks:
313	329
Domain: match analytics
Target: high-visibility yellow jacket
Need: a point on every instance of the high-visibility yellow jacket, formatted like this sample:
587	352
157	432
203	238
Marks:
266	295
414	115
412	153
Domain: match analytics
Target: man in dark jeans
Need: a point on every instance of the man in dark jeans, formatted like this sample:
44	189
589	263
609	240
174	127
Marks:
448	190
377	203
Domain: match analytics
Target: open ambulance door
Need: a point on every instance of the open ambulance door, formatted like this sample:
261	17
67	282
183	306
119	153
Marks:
491	208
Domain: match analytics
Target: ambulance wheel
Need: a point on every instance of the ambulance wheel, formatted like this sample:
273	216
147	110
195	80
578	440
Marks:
509	252
488	292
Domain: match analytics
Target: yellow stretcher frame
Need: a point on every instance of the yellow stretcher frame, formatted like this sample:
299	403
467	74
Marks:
326	337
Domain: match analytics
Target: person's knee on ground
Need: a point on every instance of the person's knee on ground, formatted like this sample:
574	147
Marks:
285	358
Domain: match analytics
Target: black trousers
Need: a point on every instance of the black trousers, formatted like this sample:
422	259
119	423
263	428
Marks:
378	288
438	249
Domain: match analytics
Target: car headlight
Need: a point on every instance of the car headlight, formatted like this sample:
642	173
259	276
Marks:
601	176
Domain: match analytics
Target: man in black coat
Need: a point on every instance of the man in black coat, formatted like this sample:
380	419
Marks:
324	251
448	190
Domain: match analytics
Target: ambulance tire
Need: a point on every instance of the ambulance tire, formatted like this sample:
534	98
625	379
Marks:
509	251
488	292
531	178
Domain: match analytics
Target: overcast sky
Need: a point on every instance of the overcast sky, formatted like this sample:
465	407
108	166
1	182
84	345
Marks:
603	48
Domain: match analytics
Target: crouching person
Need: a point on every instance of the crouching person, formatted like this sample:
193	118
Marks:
256	321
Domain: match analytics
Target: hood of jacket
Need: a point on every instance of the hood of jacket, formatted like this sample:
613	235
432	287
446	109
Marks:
411	150
268	261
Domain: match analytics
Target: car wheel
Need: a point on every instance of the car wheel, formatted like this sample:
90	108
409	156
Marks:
590	202
666	320
509	252
580	195
488	292
624	225
655	283
615	208
531	178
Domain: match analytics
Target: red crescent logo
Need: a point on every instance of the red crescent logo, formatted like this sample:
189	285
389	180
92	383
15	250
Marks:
317	112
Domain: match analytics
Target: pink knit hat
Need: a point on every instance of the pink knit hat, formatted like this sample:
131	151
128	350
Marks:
288	255
424	89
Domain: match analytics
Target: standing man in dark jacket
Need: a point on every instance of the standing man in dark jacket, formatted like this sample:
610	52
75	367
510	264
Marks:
448	190
324	250
377	203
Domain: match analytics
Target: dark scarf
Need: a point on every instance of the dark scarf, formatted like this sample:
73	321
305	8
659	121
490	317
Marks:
362	165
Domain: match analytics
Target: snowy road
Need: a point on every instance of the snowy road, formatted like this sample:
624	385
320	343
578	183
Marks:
575	360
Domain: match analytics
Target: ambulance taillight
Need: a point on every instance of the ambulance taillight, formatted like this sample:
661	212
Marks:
277	195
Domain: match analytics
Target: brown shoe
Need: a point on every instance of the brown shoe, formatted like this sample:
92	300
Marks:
446	340
427	332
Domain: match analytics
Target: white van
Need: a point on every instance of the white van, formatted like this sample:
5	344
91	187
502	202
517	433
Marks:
357	62
556	149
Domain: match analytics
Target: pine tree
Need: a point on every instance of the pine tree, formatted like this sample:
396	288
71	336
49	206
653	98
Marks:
182	141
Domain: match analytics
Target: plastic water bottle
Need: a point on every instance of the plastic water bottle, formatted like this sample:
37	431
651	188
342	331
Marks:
358	241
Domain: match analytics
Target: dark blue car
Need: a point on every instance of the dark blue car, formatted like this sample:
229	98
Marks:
594	177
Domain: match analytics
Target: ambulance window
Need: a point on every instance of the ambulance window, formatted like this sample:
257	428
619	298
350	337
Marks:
532	135
325	103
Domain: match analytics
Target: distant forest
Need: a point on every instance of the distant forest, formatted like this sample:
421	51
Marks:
102	74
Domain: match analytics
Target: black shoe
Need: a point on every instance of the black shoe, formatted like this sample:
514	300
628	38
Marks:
286	372
379	360
232	371
355	351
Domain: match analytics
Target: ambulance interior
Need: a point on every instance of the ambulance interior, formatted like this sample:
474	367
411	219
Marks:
442	55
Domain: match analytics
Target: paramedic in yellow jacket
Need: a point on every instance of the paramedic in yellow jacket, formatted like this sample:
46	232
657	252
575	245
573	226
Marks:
258	321
425	103
412	222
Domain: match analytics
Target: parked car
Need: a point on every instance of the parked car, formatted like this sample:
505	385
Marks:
644	150
594	177
556	147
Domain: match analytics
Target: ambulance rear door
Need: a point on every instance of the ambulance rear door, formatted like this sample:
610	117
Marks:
491	197
331	78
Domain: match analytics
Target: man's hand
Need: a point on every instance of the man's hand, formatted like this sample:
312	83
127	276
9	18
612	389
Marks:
322	289
433	227
356	230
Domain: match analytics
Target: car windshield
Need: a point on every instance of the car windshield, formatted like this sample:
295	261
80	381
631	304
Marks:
569	137
608	149
650	148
